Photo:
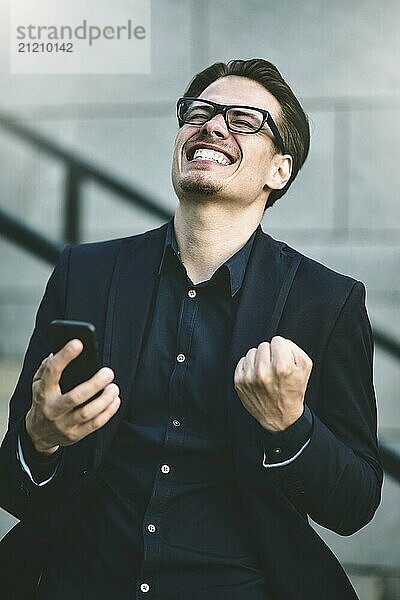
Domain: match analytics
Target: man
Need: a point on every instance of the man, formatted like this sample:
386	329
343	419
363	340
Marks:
244	401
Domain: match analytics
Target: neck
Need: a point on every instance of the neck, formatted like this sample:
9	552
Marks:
208	235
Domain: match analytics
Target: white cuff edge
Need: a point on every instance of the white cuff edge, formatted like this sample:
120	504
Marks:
27	470
285	462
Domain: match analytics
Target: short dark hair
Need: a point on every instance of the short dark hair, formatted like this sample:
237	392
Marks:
292	120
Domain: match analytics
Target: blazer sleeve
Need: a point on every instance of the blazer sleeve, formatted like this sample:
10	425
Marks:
18	494
337	479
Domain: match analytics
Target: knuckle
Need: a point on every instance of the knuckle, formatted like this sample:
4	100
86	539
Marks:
38	392
238	383
248	379
46	369
48	412
75	397
282	370
95	423
69	400
268	382
59	426
46	360
85	413
70	435
49	365
259	376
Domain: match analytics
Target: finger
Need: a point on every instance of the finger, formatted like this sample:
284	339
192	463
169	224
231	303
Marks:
238	374
282	357
87	389
96	406
245	369
249	360
102	418
301	358
263	356
40	370
55	365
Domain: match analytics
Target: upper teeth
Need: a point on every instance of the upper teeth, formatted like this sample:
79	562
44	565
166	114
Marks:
207	154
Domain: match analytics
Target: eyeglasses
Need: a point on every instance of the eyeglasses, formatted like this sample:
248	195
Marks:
239	119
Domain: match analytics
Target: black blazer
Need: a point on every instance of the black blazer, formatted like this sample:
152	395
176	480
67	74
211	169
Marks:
336	480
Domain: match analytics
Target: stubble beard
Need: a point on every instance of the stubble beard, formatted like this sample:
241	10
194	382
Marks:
198	186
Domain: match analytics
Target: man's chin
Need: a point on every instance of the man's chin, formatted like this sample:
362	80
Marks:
200	187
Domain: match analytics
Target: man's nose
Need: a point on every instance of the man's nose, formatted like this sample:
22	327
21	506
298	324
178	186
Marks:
217	127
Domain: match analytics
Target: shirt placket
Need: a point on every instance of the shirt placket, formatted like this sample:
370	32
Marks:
148	583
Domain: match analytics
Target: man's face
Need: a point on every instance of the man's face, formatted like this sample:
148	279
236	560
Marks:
241	170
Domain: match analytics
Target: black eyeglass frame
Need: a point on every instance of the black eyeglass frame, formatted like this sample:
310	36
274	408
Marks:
221	109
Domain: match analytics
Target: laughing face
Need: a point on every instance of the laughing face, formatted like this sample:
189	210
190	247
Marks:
210	161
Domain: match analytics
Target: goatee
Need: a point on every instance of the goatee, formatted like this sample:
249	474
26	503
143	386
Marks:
200	187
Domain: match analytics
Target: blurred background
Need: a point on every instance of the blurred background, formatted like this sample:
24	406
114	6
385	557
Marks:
87	157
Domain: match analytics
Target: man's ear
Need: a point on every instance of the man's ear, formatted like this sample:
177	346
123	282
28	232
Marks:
280	171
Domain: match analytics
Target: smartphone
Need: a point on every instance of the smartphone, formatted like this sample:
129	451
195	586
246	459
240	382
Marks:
87	363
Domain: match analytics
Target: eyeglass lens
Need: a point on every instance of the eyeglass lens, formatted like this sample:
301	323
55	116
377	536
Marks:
198	113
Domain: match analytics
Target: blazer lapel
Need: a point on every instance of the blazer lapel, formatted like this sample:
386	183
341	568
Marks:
130	299
269	276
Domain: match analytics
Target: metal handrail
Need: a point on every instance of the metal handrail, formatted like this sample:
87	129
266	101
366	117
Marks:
27	238
374	570
79	170
390	461
387	342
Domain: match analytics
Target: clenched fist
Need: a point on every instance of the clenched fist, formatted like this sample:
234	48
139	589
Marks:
271	382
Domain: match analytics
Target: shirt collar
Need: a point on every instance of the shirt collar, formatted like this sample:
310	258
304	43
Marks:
235	265
170	244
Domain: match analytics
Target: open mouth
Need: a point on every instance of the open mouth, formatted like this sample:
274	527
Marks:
200	153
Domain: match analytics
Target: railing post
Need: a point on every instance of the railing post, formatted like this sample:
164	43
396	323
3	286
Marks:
72	204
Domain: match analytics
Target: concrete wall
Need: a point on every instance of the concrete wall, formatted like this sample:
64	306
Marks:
341	58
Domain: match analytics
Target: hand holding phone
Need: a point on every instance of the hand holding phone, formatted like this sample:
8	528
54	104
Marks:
61	415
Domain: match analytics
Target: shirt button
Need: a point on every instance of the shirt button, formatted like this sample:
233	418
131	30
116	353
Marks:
176	423
180	358
151	528
277	451
144	587
192	293
165	469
